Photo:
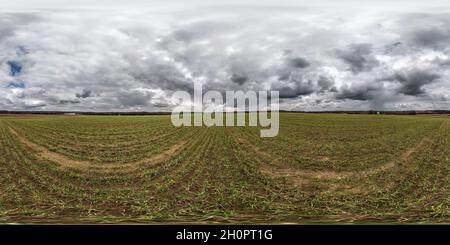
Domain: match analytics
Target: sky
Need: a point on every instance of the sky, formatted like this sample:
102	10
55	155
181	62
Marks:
133	55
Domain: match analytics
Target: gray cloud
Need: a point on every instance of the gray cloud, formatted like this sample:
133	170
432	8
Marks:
376	95
326	84
239	78
316	58
435	37
9	22
412	82
294	88
359	57
63	102
426	30
134	98
299	62
84	94
362	93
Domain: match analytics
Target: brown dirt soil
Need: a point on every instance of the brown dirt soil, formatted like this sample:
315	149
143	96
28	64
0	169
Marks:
63	161
303	177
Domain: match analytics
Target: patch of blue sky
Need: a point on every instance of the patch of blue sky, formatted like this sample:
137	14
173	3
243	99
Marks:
16	84
15	68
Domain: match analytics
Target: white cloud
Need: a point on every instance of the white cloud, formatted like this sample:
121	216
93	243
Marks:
134	59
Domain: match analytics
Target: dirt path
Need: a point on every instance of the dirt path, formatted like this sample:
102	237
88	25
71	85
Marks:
405	157
301	177
63	161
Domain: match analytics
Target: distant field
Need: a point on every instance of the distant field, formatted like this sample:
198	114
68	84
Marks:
320	168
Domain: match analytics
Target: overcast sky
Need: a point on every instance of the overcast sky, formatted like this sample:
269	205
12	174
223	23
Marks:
132	55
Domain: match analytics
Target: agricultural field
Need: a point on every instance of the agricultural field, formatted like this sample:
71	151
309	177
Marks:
141	169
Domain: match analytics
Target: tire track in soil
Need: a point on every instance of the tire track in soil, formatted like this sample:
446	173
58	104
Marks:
69	184
124	206
303	177
22	166
63	161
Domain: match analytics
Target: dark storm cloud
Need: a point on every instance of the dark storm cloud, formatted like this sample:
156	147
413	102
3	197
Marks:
362	93
85	93
294	89
359	57
134	98
161	75
169	82
291	67
326	84
284	75
239	78
63	102
299	62
412	82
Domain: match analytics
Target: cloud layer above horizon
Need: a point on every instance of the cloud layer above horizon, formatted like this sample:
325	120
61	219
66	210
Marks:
317	58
